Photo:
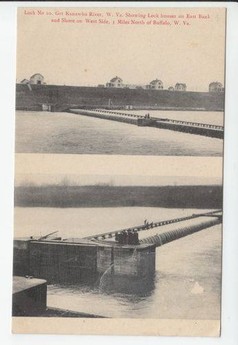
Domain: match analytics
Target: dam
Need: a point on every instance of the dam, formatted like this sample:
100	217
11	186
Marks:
208	130
125	255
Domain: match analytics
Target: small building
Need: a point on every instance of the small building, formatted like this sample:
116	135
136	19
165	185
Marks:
216	87
37	79
180	87
115	82
155	85
171	88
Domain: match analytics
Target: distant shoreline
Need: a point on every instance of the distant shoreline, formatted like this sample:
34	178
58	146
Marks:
66	196
134	109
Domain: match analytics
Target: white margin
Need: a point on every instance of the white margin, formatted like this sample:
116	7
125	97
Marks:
7	128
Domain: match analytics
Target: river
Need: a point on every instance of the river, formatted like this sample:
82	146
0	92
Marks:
188	271
44	132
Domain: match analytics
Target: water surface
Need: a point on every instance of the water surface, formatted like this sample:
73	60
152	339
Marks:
188	271
43	132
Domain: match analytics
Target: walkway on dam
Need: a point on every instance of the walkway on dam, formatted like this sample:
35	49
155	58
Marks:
157	234
171	232
163	123
150	228
60	260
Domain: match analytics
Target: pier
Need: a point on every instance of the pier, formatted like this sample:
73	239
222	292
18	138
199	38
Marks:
123	254
29	298
147	121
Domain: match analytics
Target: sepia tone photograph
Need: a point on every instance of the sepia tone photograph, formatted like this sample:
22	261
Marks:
118	200
135	81
118	246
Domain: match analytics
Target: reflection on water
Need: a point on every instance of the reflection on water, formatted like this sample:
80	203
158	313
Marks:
112	301
111	283
38	132
141	287
186	284
108	284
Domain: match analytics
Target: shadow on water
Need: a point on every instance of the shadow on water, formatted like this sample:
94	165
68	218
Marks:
128	288
110	283
109	295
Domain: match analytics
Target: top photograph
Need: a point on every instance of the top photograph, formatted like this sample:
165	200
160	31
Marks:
121	81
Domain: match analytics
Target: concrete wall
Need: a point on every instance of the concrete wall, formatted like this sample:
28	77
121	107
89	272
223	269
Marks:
126	261
75	262
104	259
29	296
55	261
62	262
130	261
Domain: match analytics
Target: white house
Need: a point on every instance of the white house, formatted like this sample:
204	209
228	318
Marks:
155	85
216	87
37	79
180	87
115	82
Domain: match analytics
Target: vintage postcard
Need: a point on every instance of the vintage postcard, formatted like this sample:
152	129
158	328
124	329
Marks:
134	81
119	171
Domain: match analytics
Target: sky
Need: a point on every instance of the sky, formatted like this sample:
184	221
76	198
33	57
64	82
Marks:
116	170
91	54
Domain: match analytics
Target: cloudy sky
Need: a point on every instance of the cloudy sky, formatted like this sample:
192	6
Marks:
91	54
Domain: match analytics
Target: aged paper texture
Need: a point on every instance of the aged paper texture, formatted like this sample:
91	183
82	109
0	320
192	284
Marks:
118	171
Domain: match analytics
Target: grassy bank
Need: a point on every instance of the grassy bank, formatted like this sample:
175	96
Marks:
112	196
64	97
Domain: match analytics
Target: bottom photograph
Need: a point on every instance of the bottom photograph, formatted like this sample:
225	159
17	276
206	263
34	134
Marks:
117	247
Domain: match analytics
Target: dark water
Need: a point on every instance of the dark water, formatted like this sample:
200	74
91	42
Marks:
188	271
42	132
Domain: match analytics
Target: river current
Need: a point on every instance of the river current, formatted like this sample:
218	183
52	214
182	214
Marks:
188	271
44	132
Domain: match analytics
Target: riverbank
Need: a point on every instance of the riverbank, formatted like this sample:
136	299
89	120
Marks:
209	197
62	97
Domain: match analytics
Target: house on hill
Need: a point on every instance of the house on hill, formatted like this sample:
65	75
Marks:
155	85
115	82
216	86
180	87
36	78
